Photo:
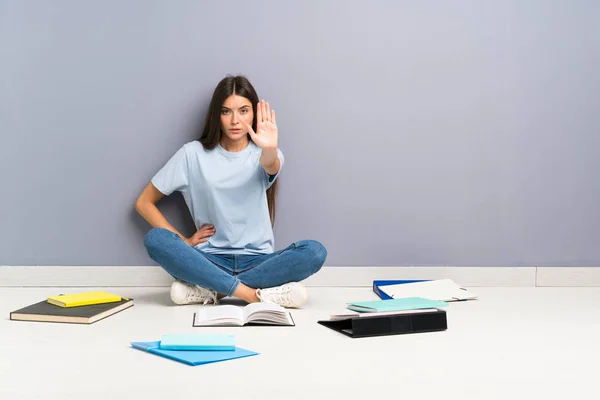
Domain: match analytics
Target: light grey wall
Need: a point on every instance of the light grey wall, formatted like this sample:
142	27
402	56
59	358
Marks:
415	132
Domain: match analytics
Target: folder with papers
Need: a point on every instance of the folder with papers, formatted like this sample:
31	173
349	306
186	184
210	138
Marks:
441	290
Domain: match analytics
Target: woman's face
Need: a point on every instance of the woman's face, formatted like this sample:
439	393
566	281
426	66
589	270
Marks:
236	112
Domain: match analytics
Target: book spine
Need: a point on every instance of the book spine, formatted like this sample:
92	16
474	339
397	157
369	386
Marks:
399	324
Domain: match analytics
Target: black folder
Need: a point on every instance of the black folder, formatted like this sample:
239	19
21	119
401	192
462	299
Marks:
365	326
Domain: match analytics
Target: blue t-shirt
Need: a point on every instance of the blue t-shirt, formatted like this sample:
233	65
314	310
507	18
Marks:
226	189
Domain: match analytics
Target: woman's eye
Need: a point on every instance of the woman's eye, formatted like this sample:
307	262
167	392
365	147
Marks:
244	111
224	112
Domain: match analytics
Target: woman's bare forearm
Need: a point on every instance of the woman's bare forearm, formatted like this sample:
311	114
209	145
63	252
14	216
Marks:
154	217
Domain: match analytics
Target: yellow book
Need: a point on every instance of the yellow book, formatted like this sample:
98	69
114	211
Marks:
83	299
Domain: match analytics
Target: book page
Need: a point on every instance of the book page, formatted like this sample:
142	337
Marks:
257	307
266	313
225	314
346	315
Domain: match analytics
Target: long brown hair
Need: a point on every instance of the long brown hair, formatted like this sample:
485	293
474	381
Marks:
211	134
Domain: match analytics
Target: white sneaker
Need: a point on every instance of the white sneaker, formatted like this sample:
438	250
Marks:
186	293
292	295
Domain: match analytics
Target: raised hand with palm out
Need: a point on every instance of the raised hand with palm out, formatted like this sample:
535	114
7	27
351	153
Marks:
266	127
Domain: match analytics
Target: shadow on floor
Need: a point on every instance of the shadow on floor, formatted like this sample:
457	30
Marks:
162	298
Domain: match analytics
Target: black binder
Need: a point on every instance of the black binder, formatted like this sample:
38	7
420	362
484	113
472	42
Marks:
357	327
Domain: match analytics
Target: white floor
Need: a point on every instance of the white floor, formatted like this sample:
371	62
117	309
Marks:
518	342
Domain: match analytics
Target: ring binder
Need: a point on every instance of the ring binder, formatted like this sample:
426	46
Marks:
358	327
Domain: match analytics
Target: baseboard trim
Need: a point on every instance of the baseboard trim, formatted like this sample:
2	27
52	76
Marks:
359	276
151	276
568	276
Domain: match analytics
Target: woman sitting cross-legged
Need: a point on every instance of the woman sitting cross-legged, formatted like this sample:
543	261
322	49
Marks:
228	178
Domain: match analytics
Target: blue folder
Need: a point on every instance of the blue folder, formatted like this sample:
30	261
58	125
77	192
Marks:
380	284
193	357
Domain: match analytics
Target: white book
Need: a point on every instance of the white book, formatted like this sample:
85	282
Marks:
252	314
349	315
441	289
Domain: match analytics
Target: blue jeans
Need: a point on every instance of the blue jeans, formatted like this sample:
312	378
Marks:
224	272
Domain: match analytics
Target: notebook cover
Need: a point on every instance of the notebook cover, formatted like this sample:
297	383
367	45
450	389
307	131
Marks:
379	284
83	299
46	312
206	342
192	357
389	325
408	303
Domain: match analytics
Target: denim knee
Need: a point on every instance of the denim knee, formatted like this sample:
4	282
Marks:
317	251
155	237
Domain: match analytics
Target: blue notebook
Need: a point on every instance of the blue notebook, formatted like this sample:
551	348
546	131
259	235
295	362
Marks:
197	342
408	303
193	357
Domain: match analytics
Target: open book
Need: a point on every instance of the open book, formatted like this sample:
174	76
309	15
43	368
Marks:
252	314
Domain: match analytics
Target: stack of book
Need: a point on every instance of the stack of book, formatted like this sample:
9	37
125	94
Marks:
195	349
406	306
389	317
74	308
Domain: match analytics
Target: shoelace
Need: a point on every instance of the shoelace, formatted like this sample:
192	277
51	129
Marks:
276	295
198	292
211	297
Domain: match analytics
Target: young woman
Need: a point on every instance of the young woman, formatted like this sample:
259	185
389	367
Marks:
228	179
